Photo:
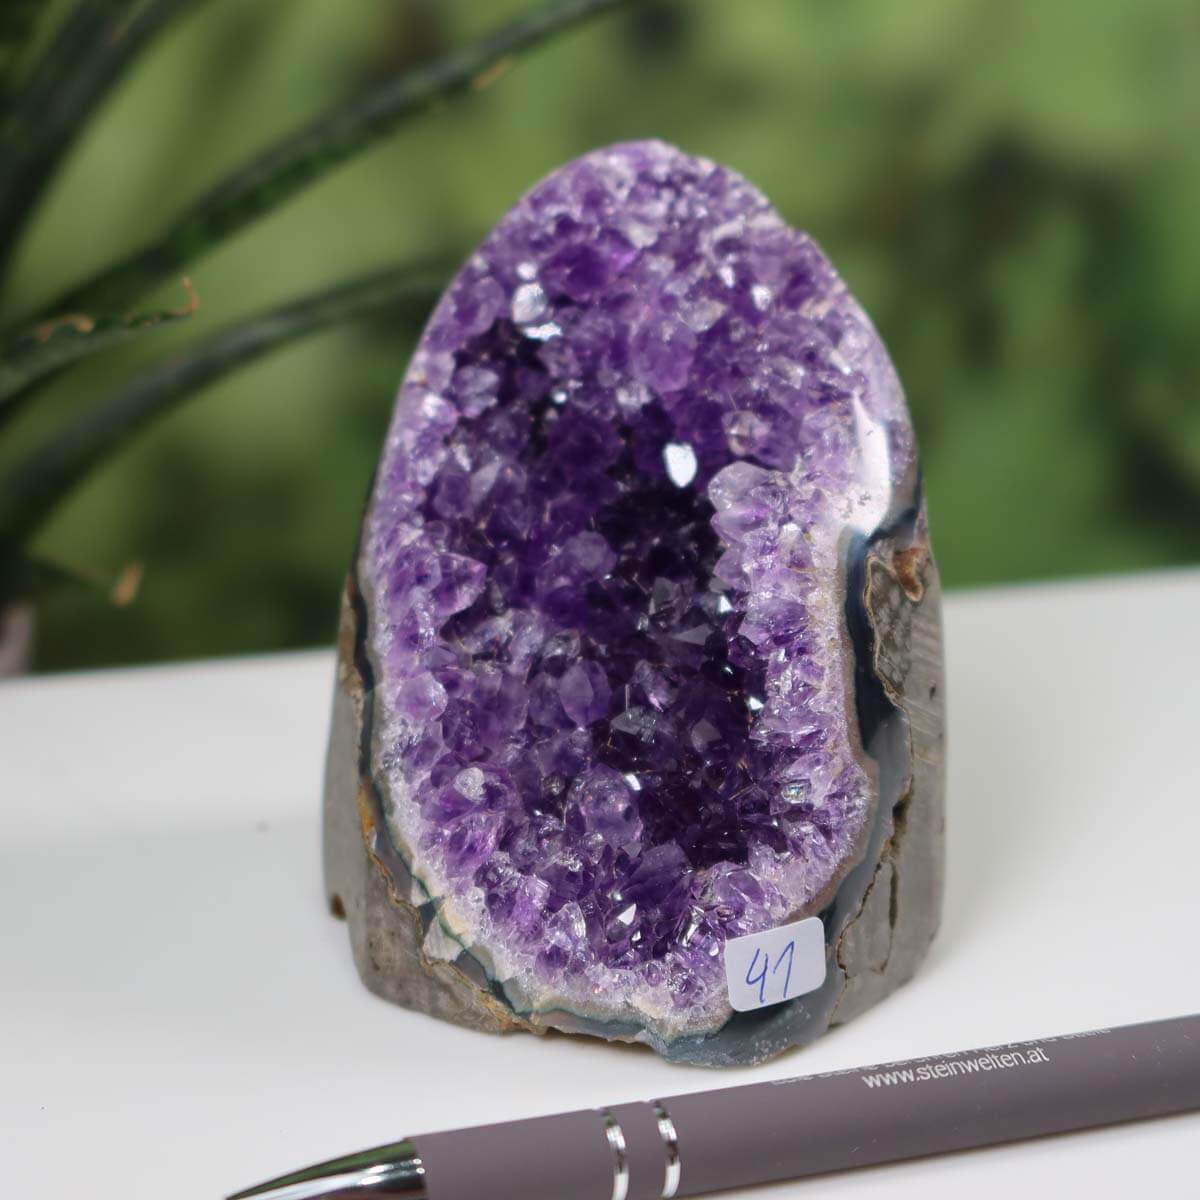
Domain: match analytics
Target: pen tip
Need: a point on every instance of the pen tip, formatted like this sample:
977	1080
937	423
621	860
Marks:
393	1170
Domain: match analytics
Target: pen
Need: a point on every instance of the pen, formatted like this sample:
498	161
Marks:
783	1129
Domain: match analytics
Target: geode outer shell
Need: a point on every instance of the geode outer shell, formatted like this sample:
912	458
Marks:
640	649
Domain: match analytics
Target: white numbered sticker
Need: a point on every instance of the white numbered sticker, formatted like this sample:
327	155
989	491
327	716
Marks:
776	964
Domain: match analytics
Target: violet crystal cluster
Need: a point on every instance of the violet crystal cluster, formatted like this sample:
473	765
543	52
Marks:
640	649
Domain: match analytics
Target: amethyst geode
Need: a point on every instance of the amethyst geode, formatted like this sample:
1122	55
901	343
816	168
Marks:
640	648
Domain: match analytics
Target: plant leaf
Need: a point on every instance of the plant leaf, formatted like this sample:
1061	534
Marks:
268	180
95	44
27	577
17	21
62	340
35	486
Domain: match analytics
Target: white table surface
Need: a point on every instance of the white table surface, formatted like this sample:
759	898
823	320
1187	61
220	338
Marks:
179	1017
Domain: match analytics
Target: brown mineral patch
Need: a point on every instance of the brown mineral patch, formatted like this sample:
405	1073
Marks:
909	566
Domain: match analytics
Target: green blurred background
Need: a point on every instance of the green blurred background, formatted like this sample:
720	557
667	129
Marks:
1012	190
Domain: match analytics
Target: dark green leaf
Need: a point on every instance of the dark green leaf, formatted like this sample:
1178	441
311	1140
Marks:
26	577
17	21
313	151
91	51
62	340
32	489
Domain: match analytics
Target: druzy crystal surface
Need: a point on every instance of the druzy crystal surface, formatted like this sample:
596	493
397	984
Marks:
605	565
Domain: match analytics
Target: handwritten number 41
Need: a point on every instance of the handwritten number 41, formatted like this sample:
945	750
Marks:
760	976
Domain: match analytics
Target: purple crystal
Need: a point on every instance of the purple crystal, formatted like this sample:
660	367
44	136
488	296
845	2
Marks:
584	692
606	804
603	571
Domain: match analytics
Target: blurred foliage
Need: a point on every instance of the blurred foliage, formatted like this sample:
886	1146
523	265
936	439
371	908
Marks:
1013	191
